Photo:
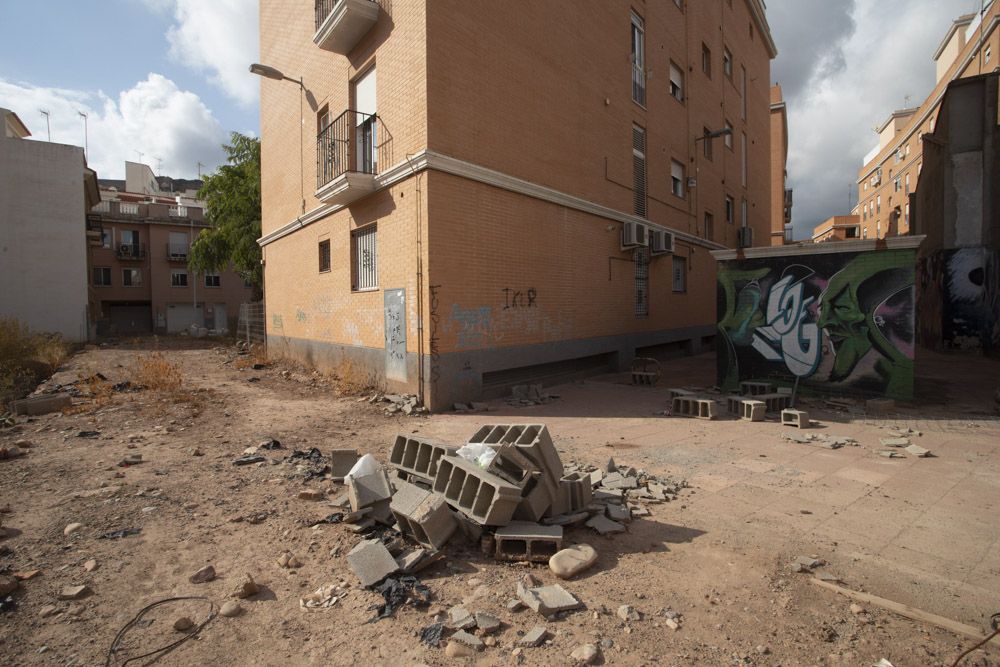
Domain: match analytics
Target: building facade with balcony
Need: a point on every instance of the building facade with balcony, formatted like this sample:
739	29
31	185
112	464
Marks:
970	47
45	192
487	194
837	228
139	281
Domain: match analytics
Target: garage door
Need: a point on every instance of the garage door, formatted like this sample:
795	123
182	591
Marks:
126	319
182	316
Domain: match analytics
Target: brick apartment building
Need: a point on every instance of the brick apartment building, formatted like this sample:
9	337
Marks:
781	197
837	228
458	197
140	235
970	47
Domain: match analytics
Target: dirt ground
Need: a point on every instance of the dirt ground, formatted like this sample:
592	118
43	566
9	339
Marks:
923	532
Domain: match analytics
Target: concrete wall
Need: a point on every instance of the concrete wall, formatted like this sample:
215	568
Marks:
43	256
837	316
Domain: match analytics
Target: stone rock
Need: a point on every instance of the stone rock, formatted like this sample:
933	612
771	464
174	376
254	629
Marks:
585	654
763	650
472	641
74	592
72	528
48	610
183	624
605	526
548	600
247	587
672	624
857	609
514	605
488	623
231	609
459	618
8	585
629	614
456	649
289	561
311	494
202	576
572	561
533	637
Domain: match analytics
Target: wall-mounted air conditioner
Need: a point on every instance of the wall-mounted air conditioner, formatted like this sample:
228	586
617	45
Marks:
661	242
634	235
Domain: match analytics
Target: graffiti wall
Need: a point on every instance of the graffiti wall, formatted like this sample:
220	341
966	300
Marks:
835	322
959	300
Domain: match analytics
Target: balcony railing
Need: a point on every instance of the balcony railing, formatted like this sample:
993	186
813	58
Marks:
177	252
178	212
126	208
638	84
131	251
340	24
348	144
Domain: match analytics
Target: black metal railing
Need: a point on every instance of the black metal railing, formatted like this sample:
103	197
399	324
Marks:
131	251
325	7
177	252
638	84
349	143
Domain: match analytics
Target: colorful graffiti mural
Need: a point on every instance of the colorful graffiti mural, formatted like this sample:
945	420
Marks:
837	321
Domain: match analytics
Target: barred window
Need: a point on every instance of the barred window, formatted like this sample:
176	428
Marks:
324	255
364	259
640	257
639	170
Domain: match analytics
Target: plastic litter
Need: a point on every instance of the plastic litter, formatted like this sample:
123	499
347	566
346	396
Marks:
366	465
397	592
478	453
431	635
248	459
124	532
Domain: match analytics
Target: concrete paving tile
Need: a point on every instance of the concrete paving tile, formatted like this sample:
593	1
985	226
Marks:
756	465
835	491
946	542
909	560
752	496
863	475
876	528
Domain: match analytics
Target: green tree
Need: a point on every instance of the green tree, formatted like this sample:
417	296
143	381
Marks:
232	198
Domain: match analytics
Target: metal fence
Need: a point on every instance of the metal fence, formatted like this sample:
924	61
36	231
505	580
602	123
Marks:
251	324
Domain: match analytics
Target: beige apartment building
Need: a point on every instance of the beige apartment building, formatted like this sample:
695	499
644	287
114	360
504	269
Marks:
781	196
837	228
970	47
140	236
459	197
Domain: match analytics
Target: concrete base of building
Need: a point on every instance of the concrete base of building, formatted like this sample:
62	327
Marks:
463	376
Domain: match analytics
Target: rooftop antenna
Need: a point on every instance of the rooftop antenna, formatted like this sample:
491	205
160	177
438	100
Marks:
200	165
140	154
906	101
48	129
86	153
159	165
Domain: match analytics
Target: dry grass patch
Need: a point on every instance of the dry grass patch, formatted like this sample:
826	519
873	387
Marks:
26	358
154	371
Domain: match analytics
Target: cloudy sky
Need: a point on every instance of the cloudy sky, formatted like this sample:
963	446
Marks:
168	79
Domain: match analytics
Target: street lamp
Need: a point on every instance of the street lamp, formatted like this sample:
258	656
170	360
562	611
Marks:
726	131
269	72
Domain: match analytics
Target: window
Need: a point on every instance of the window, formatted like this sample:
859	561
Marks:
727	63
878	229
132	277
638	60
364	259
365	89
324	256
864	233
851	233
640	257
743	213
177	246
907	185
680	273
102	276
743	159
639	170
987	53
676	83
729	137
706	143
709	231
906	215
866	186
106	239
743	92
178	278
213	280
730	210
878	204
907	150
864	212
895	184
706	61
677	178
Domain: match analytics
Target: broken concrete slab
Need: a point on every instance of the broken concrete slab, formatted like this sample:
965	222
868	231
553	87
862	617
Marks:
459	618
533	637
893	442
918	451
472	641
40	405
488	623
890	454
548	600
618	512
605	526
371	562
369	490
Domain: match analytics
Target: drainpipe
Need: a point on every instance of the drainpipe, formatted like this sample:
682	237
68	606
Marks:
420	287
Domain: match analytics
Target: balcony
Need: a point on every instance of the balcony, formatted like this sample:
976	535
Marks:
340	24
131	251
177	212
347	157
177	252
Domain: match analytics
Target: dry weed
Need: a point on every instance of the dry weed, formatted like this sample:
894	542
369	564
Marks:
356	379
154	371
26	358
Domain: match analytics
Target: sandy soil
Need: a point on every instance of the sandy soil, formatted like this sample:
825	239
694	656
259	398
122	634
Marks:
740	603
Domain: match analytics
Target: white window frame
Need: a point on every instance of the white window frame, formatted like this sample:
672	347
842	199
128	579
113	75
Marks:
677	178
727	63
678	274
175	275
728	138
217	279
135	277
676	82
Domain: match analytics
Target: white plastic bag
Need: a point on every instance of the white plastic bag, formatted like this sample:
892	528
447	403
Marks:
479	454
366	465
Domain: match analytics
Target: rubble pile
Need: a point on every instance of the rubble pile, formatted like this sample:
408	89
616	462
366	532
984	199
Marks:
407	404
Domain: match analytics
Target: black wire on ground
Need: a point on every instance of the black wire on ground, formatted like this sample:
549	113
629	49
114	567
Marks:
995	624
115	645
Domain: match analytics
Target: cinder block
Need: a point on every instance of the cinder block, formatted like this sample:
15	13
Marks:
511	465
701	408
535	500
755	387
418	457
41	405
528	541
684	393
799	418
753	410
369	490
645	377
341	462
422	515
775	402
734	404
484	497
371	562
575	493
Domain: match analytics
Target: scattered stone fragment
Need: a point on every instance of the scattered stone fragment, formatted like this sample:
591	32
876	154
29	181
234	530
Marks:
672	623
246	587
472	641
29	574
514	605
809	562
72	528
533	637
917	451
548	600
763	650
890	454
48	610
857	609
610	466
459	618
605	526
456	649
585	654
894	442
311	494
488	623
8	585
371	562
74	592
629	614
572	561
288	560
202	576
183	624
231	609
619	513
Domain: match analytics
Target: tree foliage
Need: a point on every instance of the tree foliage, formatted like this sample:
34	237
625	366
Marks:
232	198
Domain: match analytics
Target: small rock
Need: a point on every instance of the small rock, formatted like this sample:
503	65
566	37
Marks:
456	649
585	654
514	605
48	610
183	624
460	619
629	614
763	650
74	592
472	641
246	588
857	609
311	494
672	624
72	528
231	609
572	561
488	623
202	576
533	637
289	561
196	451
8	585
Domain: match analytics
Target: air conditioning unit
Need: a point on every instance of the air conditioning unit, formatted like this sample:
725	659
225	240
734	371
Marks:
744	239
634	234
661	242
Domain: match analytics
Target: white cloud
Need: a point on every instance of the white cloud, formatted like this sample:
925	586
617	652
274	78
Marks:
217	38
154	117
847	82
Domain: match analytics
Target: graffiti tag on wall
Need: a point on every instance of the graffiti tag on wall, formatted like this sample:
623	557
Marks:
841	322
